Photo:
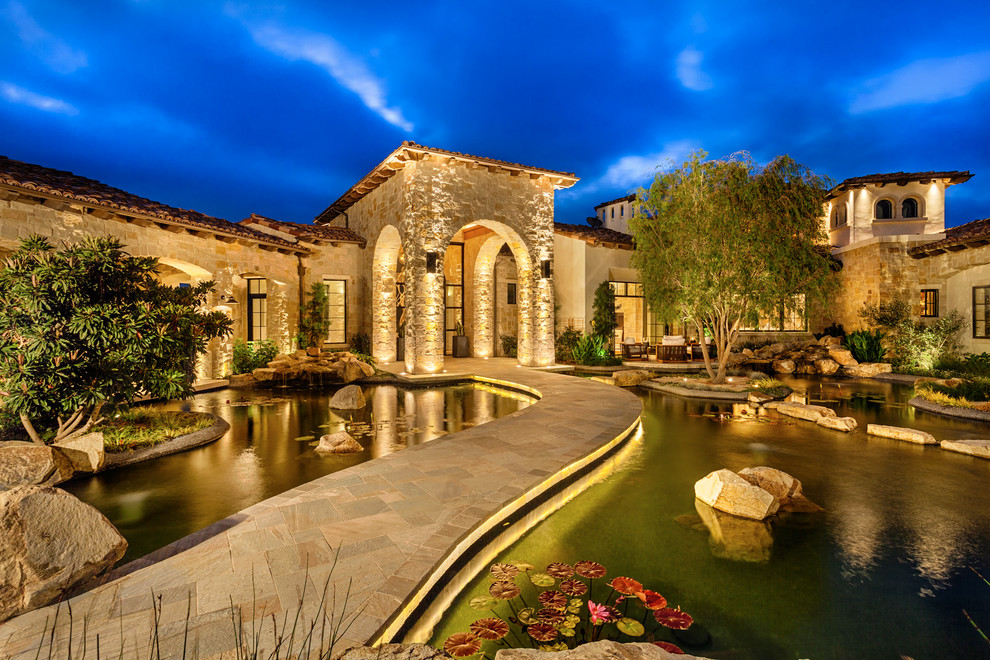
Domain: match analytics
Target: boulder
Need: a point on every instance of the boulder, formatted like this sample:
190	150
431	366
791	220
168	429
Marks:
241	380
899	433
283	374
843	356
340	442
784	366
777	348
759	397
263	374
280	363
317	368
846	424
29	464
604	649
782	486
738	539
727	491
978	448
608	380
866	369
829	341
350	369
764	352
805	367
393	652
348	398
313	351
826	366
366	369
747	352
804	411
631	377
735	359
50	542
86	452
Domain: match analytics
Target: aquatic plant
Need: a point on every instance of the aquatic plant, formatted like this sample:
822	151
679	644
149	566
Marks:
867	345
566	611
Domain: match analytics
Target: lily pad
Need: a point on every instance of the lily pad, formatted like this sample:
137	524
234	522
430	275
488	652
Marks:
541	579
482	603
305	438
527	616
630	627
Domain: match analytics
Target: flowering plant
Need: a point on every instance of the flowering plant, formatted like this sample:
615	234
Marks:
565	611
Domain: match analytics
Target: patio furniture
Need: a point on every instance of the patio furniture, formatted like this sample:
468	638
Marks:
634	350
672	348
696	353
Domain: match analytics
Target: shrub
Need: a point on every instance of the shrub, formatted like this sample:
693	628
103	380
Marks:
867	345
922	345
590	351
976	364
771	386
249	356
976	389
565	343
314	324
888	314
361	343
603	324
510	345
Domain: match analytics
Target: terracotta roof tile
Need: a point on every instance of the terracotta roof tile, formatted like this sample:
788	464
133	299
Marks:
970	235
627	198
954	176
307	232
595	235
60	184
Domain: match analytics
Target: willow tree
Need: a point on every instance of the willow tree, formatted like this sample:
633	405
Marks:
722	243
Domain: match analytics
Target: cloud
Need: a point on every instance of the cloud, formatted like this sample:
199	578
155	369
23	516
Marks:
635	170
326	53
22	96
688	70
923	81
58	55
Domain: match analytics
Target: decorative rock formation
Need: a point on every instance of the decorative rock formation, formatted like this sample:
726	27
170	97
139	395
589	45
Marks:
804	411
50	542
843	356
738	539
86	452
241	380
785	488
866	369
630	377
898	433
845	424
978	448
784	366
264	373
601	650
339	443
727	491
826	366
759	397
348	398
29	464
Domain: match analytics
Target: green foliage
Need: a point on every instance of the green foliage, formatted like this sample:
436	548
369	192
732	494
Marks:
974	389
89	326
144	427
364	357
510	345
771	386
888	314
721	241
923	345
565	343
459	329
603	324
867	345
977	364
249	356
590	351
361	343
314	326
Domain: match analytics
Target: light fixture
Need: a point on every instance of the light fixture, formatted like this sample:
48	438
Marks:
228	300
545	267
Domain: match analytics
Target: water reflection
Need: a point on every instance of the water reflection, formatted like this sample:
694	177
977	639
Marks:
270	449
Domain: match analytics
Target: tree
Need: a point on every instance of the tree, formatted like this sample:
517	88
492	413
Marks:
723	243
89	326
315	322
603	324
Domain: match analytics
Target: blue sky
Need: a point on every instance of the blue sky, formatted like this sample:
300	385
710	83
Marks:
231	108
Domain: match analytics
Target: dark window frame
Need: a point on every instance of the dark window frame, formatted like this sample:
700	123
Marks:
253	298
510	293
917	208
985	304
343	339
886	203
929	303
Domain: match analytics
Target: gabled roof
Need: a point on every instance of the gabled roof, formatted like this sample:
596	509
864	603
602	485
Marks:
407	151
317	234
599	236
900	178
627	198
46	183
970	235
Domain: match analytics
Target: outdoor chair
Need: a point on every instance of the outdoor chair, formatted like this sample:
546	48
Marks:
672	348
696	353
634	350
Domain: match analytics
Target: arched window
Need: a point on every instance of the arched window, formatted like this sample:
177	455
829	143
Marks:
885	210
909	208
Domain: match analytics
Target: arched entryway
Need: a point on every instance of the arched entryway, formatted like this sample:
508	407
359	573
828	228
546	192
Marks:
384	303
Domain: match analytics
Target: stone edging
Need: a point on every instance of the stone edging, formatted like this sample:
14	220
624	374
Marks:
949	411
907	379
174	446
695	394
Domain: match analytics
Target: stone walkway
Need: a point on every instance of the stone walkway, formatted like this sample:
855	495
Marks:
385	529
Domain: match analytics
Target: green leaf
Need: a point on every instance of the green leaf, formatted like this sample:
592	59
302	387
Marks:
482	603
527	616
541	579
630	627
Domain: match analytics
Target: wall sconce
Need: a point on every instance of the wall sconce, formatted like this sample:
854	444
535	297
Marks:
432	259
545	267
227	300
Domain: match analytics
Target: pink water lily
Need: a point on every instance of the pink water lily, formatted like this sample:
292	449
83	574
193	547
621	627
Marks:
600	613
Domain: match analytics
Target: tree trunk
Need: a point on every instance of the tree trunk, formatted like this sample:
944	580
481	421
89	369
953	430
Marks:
29	427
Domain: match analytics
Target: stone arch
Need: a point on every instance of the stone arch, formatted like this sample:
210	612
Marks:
383	303
905	202
484	293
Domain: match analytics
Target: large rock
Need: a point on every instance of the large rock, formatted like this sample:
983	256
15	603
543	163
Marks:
826	366
85	452
630	377
829	341
263	374
785	366
978	448
50	542
846	424
899	433
727	491
843	356
804	411
30	464
602	650
782	486
738	539
352	369
340	442
348	398
393	652
241	380
759	398
866	369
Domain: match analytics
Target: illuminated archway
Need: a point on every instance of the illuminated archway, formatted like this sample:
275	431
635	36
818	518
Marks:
485	295
383	302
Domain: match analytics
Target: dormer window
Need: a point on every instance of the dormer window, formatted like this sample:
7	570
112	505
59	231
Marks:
909	208
884	210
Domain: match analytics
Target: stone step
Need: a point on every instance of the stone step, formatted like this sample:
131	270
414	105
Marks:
899	433
978	448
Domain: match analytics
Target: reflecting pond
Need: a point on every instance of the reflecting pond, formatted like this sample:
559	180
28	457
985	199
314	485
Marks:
270	449
892	568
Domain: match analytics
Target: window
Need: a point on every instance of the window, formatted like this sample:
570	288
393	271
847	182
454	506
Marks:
909	208
885	210
791	317
337	310
981	311
510	293
838	216
184	285
613	211
929	302
622	211
257	309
